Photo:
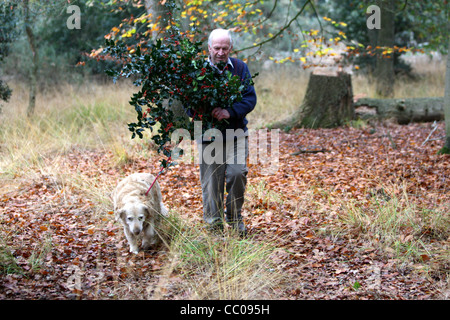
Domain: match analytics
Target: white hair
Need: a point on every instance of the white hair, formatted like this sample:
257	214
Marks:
217	32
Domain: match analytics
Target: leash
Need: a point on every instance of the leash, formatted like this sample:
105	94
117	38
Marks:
157	176
169	161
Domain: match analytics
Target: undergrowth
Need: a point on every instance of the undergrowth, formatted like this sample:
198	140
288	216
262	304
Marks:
219	265
393	222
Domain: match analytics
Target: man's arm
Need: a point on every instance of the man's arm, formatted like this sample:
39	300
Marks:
248	102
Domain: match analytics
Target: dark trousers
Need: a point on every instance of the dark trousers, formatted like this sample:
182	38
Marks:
223	163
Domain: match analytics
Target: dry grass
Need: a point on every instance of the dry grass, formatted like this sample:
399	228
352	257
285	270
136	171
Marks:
279	92
220	266
91	116
429	81
392	221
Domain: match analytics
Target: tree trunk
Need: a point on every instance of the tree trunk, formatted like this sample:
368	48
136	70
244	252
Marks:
384	71
446	148
34	69
157	10
372	34
327	103
406	110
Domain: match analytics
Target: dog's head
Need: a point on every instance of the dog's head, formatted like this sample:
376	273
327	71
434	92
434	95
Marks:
134	216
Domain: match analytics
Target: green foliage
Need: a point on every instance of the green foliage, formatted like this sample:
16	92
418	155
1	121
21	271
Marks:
173	68
96	20
444	150
418	24
354	13
60	49
7	35
7	27
5	91
429	22
356	285
8	264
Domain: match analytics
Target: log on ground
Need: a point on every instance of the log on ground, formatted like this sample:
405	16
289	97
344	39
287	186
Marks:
406	110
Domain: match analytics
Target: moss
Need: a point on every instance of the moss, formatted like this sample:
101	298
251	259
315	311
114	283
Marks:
444	150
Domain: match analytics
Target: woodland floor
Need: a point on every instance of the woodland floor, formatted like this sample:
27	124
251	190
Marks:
52	230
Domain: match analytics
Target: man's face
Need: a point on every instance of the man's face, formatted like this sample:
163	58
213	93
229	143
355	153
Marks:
220	49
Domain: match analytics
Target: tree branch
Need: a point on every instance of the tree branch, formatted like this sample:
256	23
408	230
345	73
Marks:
281	30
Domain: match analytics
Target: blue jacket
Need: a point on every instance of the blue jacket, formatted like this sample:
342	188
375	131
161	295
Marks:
240	109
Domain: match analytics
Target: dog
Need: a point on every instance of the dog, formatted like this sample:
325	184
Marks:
139	213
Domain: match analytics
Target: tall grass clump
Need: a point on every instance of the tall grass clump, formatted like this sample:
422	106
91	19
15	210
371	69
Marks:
8	262
220	266
395	223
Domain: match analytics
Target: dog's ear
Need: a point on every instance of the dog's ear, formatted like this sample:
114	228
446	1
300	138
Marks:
120	214
146	211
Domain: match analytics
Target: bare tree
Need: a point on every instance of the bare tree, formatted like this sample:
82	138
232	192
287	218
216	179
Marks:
446	148
34	52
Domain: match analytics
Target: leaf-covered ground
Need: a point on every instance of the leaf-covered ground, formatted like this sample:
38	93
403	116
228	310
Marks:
59	241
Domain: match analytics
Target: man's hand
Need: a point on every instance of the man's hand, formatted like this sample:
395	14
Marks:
220	114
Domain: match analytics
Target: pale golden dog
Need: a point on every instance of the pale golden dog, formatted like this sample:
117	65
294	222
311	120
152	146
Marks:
140	214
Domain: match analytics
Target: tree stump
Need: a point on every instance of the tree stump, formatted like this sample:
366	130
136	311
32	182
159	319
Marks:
328	103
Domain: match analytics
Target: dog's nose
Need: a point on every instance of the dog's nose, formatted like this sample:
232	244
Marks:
136	231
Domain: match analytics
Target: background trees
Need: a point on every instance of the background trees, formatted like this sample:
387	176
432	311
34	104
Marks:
405	24
44	51
283	30
306	33
6	37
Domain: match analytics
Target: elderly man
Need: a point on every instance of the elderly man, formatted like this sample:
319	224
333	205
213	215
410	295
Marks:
232	171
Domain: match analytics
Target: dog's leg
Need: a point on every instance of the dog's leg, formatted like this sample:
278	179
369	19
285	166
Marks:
131	241
150	237
164	210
